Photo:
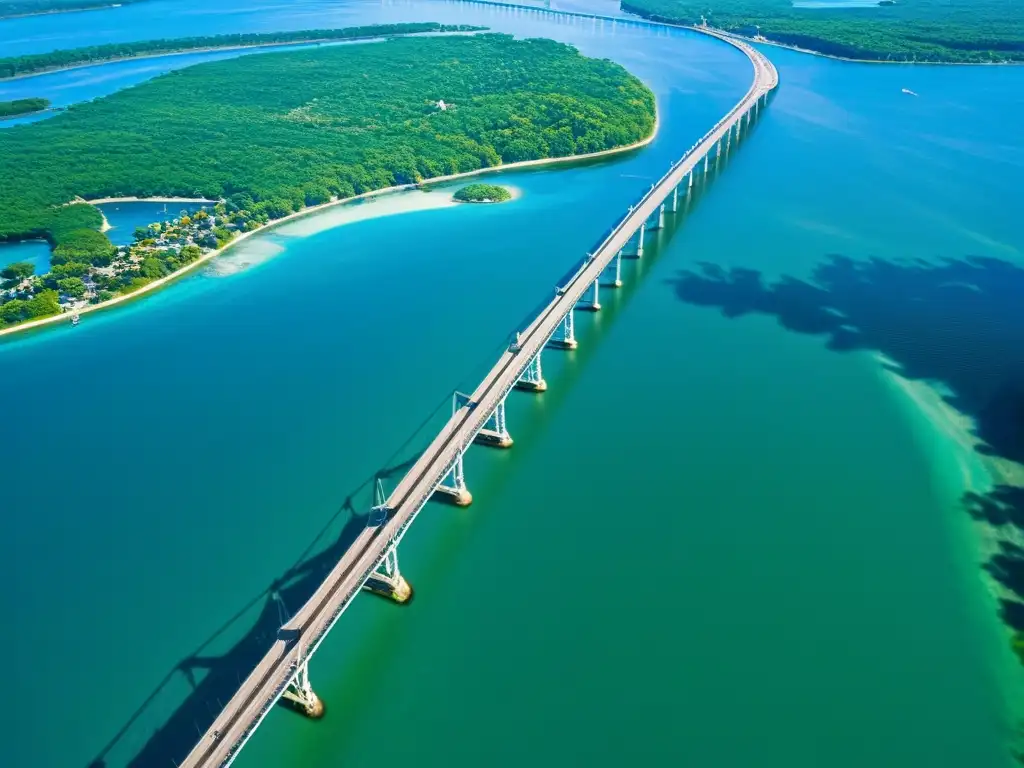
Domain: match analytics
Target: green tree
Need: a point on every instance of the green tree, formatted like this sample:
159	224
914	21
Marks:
43	304
71	286
152	268
19	270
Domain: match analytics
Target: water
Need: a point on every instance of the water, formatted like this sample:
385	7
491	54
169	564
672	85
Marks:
72	86
827	4
125	217
715	541
36	252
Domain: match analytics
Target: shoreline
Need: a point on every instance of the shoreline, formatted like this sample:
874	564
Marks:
848	60
55	11
425	184
812	52
217	48
106	200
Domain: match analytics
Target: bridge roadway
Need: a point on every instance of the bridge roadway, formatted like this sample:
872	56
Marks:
301	636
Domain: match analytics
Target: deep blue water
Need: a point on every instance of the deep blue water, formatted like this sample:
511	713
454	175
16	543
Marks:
716	541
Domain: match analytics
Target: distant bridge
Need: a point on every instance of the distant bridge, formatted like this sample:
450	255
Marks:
371	562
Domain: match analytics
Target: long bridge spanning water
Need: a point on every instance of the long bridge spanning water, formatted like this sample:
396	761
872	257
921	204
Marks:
371	562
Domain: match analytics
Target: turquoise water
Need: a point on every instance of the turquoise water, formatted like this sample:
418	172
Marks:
36	252
715	541
125	217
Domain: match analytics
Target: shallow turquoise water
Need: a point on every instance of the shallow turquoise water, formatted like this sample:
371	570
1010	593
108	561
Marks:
715	542
36	252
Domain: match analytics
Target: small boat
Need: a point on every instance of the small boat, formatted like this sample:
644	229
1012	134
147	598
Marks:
75	319
910	92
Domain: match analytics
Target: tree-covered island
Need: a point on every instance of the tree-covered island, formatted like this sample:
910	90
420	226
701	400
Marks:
482	193
955	31
19	66
20	107
273	134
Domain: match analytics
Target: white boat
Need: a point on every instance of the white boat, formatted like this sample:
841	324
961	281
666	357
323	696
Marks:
908	91
75	319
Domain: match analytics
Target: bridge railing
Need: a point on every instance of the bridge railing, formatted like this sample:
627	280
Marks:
759	62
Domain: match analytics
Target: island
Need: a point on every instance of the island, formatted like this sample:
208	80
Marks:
36	63
940	31
14	8
269	137
21	107
482	193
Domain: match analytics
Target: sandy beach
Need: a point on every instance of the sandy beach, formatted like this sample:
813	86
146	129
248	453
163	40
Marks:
426	183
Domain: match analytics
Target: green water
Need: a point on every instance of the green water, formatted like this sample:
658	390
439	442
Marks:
715	542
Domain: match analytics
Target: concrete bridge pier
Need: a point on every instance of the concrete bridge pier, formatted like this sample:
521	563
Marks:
689	184
612	274
635	246
301	696
657	220
673	205
565	335
453	487
494	431
532	379
387	581
706	158
591	299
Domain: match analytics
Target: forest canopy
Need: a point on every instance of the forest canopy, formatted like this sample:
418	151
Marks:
482	193
907	30
276	132
22	107
12	66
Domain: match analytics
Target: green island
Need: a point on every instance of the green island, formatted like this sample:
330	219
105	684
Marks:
950	31
12	8
270	135
20	107
19	66
482	193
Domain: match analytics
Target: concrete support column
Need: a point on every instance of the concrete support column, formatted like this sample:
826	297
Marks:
565	336
495	431
673	206
301	696
532	379
593	303
387	581
453	487
635	246
612	274
706	158
657	220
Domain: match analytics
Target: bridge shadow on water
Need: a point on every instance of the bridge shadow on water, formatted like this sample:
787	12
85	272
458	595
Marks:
213	678
955	323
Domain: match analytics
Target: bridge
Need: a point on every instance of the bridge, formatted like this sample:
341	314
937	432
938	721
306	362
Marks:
371	562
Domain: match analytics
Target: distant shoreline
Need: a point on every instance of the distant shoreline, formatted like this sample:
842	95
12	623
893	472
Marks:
216	48
425	184
53	11
797	49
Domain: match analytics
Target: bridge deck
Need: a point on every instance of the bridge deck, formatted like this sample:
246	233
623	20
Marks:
301	636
